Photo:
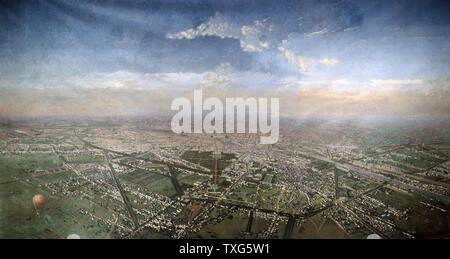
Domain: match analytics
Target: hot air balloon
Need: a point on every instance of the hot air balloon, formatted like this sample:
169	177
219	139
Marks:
38	202
373	236
73	236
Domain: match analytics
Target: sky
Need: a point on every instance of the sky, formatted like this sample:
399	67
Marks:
62	57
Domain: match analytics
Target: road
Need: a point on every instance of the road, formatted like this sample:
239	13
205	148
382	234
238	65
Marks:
125	199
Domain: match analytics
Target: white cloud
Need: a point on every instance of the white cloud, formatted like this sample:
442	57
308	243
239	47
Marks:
303	64
396	81
317	33
216	26
138	81
250	47
329	61
249	36
213	79
294	83
218	78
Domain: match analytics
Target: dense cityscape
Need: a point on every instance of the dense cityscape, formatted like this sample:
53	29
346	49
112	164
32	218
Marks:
125	179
